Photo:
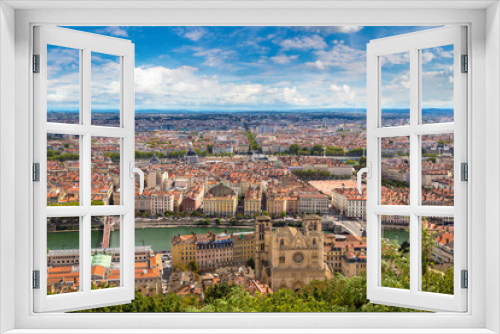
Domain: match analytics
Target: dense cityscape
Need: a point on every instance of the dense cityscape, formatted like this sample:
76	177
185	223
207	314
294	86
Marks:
264	202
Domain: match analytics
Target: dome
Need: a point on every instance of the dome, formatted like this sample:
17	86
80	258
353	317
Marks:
191	154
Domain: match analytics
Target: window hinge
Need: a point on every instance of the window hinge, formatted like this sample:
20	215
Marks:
465	279
464	172
465	64
36	172
36	63
36	279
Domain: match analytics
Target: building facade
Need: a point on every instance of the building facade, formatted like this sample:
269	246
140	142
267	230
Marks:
288	257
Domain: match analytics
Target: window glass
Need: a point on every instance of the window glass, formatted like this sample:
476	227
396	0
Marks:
105	252
395	167
438	170
395	85
63	170
395	252
63	255
438	254
437	84
63	85
105	89
105	171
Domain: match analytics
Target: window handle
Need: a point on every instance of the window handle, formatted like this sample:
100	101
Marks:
368	171
139	171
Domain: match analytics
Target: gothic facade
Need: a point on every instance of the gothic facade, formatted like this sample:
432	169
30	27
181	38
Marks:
288	257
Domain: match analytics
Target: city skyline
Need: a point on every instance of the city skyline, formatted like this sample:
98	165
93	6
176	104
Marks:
245	68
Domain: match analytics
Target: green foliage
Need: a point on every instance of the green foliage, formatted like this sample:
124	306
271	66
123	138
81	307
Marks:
294	149
251	263
394	183
312	174
148	155
193	266
65	204
356	152
114	156
251	138
95	202
63	157
180	267
217	221
340	294
176	154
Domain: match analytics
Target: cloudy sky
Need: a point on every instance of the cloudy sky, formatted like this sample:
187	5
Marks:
248	68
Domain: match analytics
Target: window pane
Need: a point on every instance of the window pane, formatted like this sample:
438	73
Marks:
105	261
437	84
395	250
63	255
395	89
63	170
437	170
105	171
395	167
105	89
437	254
63	85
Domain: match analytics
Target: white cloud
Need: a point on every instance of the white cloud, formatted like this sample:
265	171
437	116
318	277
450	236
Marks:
318	64
314	42
396	59
195	33
114	31
213	57
342	57
344	92
427	56
283	59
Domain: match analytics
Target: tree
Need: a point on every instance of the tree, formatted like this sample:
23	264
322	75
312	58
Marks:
180	267
294	149
239	216
193	266
317	149
251	263
356	152
217	221
265	213
283	214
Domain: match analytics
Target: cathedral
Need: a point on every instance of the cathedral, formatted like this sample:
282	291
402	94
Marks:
287	257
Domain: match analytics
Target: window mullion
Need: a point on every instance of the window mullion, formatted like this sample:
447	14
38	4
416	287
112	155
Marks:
414	170
85	170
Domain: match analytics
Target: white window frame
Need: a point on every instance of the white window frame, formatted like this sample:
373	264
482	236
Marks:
484	103
85	43
413	43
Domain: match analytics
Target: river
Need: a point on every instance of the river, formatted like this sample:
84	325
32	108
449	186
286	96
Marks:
159	238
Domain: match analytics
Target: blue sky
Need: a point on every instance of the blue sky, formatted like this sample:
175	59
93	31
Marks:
244	68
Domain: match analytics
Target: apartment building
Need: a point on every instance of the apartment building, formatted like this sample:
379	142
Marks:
253	200
349	202
243	247
209	251
312	203
220	200
193	200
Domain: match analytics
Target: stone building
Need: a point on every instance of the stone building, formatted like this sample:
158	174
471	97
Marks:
243	247
288	257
